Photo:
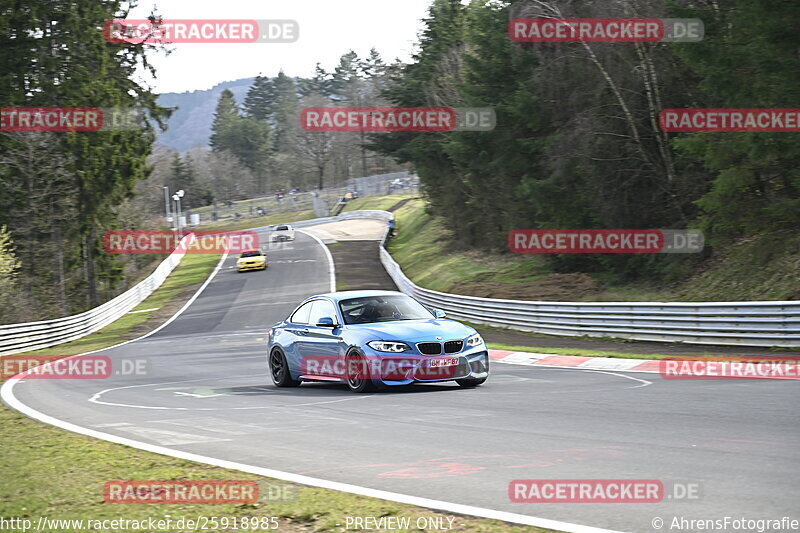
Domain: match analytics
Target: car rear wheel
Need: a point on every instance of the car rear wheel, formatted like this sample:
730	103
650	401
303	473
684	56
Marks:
469	383
279	370
357	372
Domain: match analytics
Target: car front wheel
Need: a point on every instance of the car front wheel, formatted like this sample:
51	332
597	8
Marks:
358	379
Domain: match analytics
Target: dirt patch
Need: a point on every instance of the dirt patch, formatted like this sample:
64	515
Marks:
558	287
401	203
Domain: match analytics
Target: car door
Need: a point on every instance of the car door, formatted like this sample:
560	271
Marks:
294	333
320	347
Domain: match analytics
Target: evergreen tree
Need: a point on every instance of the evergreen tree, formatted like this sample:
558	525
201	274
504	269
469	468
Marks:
287	111
260	100
223	127
76	67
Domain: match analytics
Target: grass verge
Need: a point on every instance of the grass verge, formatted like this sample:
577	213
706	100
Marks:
50	472
376	202
423	249
760	267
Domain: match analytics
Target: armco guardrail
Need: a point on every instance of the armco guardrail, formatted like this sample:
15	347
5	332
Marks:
730	323
17	338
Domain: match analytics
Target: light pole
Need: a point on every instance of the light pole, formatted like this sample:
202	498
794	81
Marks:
166	204
177	197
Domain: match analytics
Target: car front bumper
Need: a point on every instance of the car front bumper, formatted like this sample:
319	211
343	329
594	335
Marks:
399	369
251	266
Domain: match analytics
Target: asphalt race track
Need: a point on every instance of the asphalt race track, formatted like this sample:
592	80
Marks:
207	392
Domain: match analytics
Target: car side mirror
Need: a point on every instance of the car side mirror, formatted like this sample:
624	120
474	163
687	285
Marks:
326	322
438	313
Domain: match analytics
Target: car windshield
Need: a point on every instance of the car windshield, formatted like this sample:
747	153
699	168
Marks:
282	228
382	309
252	253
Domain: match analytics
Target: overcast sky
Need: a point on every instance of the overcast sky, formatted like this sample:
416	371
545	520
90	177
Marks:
328	28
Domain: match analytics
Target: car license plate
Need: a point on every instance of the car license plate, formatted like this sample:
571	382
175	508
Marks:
447	361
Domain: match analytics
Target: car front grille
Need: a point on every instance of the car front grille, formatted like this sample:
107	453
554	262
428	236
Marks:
429	348
453	346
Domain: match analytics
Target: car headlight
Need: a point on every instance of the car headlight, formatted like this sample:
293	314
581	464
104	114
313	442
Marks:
386	346
475	340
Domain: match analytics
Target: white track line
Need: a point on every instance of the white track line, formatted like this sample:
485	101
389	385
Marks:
331	266
13	402
7	394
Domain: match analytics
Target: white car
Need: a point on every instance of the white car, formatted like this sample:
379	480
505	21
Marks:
282	233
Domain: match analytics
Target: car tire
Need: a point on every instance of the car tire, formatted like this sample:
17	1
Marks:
279	370
355	360
470	383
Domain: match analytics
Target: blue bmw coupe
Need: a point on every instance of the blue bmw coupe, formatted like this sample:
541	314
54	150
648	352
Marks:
372	340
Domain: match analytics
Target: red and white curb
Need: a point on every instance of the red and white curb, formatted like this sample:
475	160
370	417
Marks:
573	361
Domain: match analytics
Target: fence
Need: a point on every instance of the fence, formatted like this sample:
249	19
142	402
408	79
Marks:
17	338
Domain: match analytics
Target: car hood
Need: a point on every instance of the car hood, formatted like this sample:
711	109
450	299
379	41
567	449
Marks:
412	330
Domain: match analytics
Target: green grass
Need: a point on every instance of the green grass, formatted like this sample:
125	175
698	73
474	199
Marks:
376	202
423	249
765	267
46	471
762	267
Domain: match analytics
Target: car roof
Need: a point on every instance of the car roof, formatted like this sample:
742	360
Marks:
344	295
250	250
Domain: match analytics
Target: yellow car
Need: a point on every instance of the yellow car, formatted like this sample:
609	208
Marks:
251	260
